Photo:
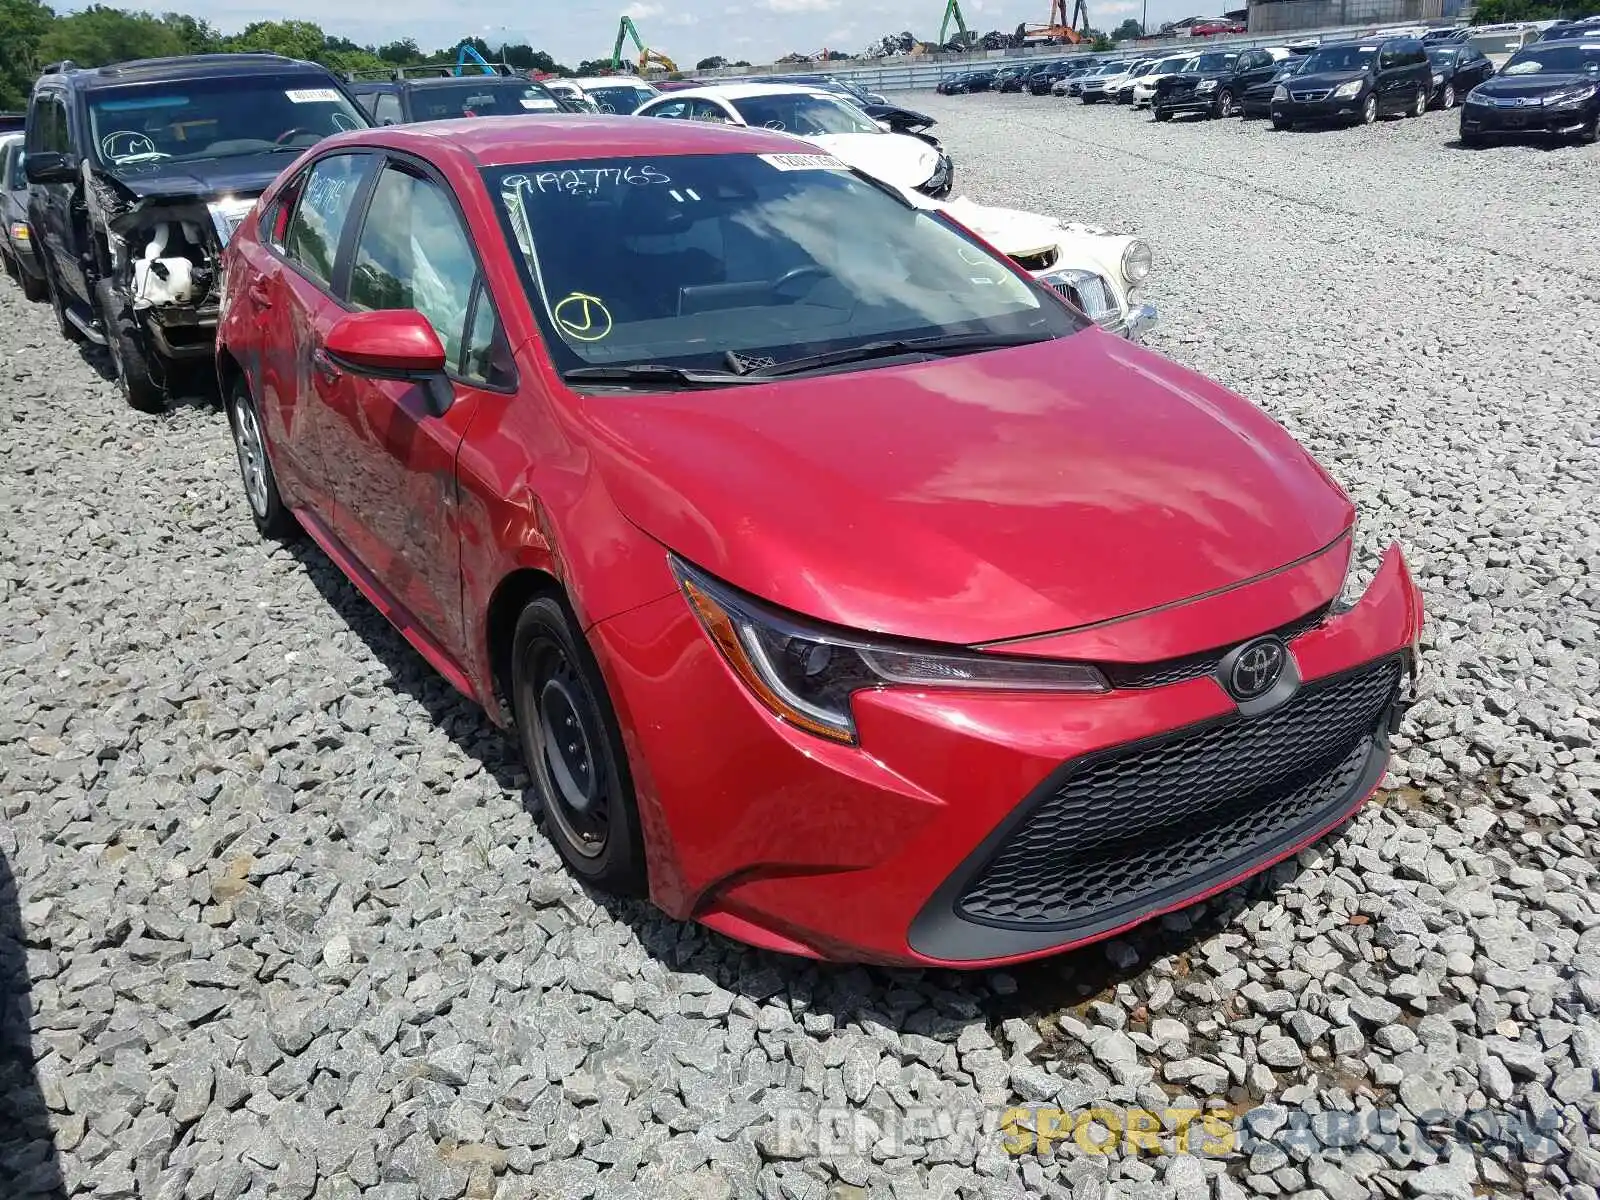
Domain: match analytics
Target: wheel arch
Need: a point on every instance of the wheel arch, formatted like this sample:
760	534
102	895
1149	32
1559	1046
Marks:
511	595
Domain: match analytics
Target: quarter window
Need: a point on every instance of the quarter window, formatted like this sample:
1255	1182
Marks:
312	235
387	110
414	253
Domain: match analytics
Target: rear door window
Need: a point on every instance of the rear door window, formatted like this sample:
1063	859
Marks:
316	225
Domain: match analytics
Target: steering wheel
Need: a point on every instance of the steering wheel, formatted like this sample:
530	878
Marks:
789	276
139	144
289	134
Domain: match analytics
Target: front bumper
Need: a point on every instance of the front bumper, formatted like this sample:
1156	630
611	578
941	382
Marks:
1314	112
1188	102
1256	103
930	842
1485	120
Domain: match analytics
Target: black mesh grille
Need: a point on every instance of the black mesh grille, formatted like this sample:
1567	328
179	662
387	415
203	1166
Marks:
1175	670
1152	818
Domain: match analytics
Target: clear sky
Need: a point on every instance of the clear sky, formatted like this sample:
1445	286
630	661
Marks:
687	30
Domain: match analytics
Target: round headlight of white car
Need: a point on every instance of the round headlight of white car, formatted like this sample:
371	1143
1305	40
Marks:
1137	260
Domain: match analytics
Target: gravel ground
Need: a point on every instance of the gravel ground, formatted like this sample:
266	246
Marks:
287	929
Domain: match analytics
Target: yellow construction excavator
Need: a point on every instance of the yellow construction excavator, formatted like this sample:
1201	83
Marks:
647	56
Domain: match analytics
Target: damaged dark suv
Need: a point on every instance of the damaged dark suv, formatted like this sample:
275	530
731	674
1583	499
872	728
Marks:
138	174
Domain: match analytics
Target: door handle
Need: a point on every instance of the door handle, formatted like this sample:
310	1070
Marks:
257	291
326	367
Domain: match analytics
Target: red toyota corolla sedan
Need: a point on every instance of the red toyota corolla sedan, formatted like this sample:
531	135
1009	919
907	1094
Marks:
848	590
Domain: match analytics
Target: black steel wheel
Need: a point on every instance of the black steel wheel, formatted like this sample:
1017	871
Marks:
572	746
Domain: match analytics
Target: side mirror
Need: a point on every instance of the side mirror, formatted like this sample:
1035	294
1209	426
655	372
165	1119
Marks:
885	126
393	343
51	167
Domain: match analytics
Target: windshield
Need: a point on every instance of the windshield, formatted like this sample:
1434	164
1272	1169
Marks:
1555	59
1439	56
680	260
1340	58
480	98
1207	64
803	114
1168	65
619	97
219	117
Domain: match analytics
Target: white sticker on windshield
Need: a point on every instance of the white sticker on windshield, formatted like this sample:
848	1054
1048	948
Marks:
535	102
1368	49
803	162
312	95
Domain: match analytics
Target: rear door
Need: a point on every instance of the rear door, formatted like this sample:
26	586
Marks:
394	460
288	291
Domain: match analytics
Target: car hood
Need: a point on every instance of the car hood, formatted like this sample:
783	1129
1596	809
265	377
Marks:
1541	84
1326	79
895	158
243	176
964	500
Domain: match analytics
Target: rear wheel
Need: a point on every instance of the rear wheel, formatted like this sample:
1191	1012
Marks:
58	306
572	746
139	386
267	509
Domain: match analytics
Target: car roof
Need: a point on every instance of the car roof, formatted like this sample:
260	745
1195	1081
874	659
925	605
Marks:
191	66
743	91
514	140
589	81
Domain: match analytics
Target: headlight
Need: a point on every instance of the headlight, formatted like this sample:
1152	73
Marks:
1575	96
1474	98
1437	79
941	172
1137	260
1366	554
1280	92
1206	85
1346	90
806	674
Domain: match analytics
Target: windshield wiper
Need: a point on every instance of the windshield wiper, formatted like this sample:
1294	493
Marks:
646	374
959	343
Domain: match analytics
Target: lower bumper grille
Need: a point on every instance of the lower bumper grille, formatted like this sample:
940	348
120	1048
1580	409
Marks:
1125	831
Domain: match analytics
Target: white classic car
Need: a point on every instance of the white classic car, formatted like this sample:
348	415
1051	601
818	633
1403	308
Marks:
1097	270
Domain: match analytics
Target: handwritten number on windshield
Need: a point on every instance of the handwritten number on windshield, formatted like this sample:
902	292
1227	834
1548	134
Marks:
587	181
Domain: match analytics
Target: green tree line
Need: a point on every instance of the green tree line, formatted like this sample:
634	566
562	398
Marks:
32	34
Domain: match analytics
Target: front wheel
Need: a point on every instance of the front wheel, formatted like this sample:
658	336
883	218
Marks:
1591	132
1282	124
1447	98
1163	114
1369	110
273	519
1420	104
572	746
139	387
1225	105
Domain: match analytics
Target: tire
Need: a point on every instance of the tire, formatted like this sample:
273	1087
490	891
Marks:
12	270
139	387
1369	109
58	306
273	519
1420	104
1225	105
1163	114
33	288
1591	132
1281	125
584	785
1447	97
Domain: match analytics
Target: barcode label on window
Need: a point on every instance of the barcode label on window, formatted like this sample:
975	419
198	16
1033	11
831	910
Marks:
312	95
803	162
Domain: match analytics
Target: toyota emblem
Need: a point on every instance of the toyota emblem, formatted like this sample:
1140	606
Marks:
1257	669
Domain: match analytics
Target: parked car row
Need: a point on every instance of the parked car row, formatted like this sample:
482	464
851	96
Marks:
783	521
1547	85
